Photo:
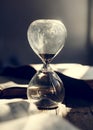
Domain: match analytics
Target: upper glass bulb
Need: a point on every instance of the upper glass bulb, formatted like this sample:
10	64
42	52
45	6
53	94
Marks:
46	37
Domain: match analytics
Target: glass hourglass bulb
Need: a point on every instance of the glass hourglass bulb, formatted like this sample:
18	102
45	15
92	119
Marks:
46	37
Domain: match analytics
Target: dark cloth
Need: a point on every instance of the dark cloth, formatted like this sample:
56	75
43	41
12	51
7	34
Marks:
74	88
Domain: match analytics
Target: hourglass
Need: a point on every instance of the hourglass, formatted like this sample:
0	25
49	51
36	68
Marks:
46	37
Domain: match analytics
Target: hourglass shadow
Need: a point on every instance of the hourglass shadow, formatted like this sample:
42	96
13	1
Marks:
13	110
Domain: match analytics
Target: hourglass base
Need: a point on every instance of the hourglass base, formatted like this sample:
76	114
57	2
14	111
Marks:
46	103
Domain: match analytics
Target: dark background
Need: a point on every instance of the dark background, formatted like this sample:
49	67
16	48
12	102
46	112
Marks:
16	15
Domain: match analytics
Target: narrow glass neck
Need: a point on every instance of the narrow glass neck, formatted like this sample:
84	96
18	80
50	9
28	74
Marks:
46	58
46	67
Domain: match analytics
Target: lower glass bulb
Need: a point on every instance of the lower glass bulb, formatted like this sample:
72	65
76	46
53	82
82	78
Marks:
45	90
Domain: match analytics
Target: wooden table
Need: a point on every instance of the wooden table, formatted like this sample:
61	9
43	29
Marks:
76	112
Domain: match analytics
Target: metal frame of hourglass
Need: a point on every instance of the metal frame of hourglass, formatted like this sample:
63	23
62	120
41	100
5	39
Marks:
46	37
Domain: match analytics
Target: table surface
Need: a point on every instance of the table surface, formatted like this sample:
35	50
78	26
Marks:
17	113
